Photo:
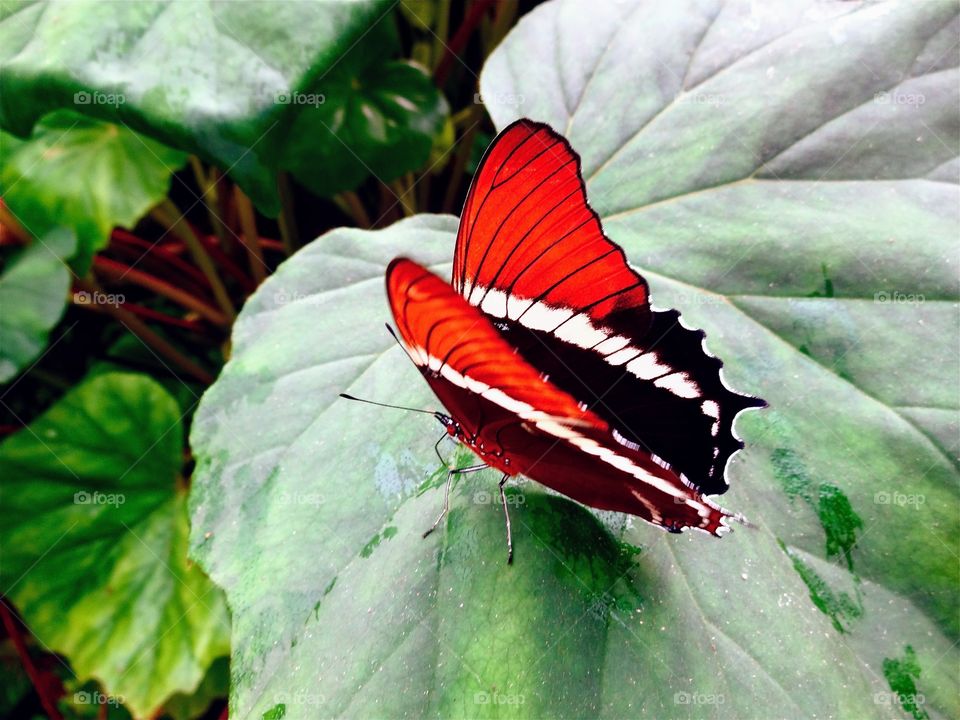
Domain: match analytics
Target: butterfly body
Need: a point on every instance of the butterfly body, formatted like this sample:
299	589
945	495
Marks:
548	357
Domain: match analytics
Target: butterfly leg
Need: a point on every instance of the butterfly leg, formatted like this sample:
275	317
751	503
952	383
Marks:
446	491
506	514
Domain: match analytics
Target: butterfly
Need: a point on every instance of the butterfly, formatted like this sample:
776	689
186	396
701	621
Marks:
549	359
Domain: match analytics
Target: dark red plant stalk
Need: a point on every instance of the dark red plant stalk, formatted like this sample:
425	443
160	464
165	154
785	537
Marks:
212	245
113	270
271	244
151	314
44	686
161	253
459	40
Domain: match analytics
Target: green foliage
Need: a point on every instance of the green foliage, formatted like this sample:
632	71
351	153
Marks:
94	530
84	174
254	87
33	294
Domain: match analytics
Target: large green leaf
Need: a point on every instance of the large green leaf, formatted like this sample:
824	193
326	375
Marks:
253	87
94	528
305	506
33	294
84	174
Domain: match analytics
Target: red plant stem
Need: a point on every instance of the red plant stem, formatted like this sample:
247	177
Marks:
459	40
149	338
119	272
12	225
271	244
161	253
43	690
128	254
226	263
151	314
168	215
226	713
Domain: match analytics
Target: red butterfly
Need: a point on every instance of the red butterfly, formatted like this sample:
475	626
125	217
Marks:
549	359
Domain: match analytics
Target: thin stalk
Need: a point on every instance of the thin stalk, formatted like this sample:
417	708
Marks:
208	189
269	244
151	314
43	691
458	171
350	203
458	42
123	237
423	186
287	220
50	379
170	217
502	20
119	272
248	223
226	263
440	32
388	206
463	118
401	187
149	338
223	206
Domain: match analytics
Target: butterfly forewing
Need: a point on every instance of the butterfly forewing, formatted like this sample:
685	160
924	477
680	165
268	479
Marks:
517	420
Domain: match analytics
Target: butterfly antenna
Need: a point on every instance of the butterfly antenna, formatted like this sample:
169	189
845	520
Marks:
380	404
402	346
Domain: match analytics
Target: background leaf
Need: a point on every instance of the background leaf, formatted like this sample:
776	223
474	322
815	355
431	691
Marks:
85	174
33	294
802	219
94	530
231	82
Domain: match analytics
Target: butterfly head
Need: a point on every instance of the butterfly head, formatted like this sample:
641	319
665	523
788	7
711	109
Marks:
449	424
